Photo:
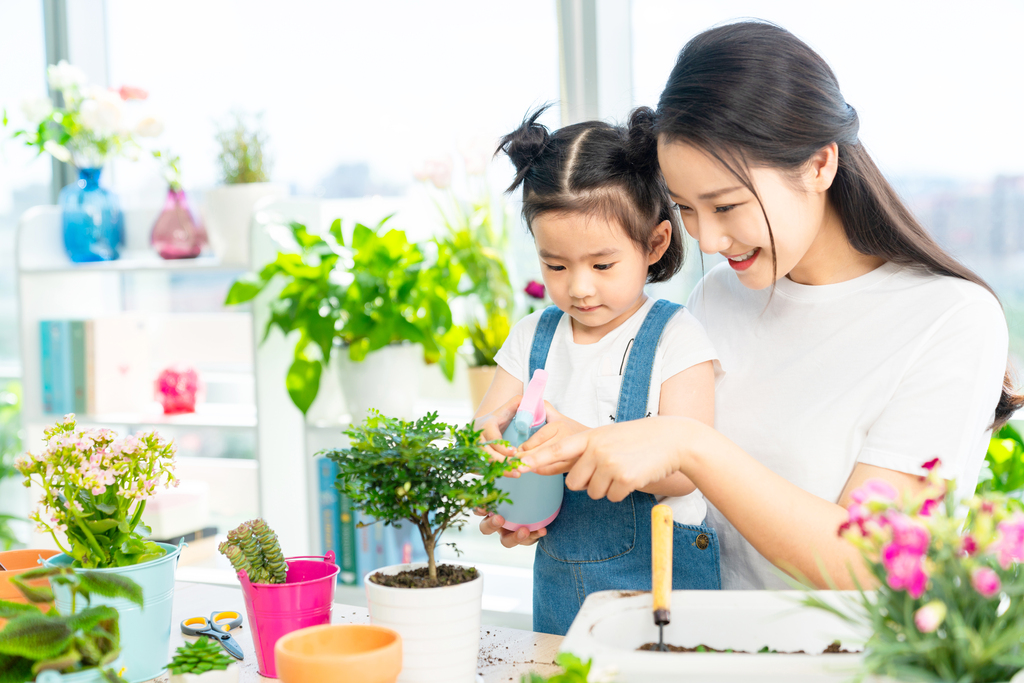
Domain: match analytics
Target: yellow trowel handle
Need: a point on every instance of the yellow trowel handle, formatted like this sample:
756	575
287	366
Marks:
661	562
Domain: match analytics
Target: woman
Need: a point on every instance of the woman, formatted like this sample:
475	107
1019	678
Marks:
852	346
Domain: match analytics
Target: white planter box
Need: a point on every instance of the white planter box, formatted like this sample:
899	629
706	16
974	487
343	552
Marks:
227	214
440	627
228	675
612	624
386	380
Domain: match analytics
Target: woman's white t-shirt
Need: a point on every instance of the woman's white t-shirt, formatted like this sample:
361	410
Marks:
891	369
584	379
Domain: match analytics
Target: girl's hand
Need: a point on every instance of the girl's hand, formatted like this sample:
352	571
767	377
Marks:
493	523
494	425
557	428
615	460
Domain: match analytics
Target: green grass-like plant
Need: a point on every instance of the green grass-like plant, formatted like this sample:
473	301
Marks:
33	641
427	472
199	657
242	156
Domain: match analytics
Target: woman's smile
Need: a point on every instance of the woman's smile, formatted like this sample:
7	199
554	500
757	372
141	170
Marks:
743	261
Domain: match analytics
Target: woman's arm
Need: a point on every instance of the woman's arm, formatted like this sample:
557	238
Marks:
690	393
793	529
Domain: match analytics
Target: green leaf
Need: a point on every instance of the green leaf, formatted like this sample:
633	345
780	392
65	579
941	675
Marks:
89	618
336	232
59	662
10	610
32	593
110	585
35	636
14	669
244	289
303	382
101	525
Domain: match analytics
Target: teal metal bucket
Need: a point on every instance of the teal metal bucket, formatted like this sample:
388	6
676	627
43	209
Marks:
87	676
146	630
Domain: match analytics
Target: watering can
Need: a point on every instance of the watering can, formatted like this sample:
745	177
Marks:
535	499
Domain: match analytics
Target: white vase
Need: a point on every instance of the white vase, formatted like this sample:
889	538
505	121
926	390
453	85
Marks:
440	627
227	214
387	380
228	675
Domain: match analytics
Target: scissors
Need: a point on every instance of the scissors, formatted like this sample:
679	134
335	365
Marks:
216	627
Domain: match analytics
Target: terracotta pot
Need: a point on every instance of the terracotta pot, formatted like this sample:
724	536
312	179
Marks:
480	379
18	562
349	653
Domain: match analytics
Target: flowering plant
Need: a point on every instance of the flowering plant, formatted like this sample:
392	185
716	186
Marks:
950	601
94	490
90	127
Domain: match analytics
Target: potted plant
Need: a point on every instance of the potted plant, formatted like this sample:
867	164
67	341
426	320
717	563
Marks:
94	489
80	645
202	661
382	298
10	446
281	594
88	129
245	169
950	599
429	474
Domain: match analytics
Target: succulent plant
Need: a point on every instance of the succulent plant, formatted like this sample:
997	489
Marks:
199	657
254	548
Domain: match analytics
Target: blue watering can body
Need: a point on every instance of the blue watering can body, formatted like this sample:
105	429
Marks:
536	499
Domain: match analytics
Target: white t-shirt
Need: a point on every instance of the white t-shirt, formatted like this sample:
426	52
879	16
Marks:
583	379
890	369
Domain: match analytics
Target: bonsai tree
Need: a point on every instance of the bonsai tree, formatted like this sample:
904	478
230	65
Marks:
426	472
33	642
253	546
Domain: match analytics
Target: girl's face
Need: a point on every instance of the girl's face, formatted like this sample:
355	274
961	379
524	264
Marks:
726	218
592	270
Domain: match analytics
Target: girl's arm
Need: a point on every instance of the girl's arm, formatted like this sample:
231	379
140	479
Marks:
498	408
795	530
690	393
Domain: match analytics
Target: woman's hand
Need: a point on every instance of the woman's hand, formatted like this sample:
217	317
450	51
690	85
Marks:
494	425
492	523
615	460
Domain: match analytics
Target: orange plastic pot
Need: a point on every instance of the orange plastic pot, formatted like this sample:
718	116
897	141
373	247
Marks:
18	562
336	653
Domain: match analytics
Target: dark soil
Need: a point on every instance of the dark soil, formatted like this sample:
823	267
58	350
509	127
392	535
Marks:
835	648
447	575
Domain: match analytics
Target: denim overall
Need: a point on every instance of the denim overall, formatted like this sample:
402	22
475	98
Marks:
596	545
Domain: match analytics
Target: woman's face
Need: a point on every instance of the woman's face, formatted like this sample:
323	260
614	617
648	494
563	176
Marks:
726	218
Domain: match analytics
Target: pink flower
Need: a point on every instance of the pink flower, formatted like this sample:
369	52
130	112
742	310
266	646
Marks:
927	507
932	464
968	545
929	617
905	570
874	490
534	289
1009	545
985	581
130	92
907	534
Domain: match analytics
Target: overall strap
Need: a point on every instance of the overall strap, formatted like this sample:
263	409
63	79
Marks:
636	382
546	327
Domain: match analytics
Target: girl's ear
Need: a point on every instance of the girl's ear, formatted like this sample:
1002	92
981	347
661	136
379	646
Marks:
661	237
822	167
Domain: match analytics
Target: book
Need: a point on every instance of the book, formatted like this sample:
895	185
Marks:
56	366
78	385
330	513
349	574
46	365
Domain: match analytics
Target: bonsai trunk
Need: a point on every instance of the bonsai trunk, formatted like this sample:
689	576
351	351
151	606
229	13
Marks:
429	537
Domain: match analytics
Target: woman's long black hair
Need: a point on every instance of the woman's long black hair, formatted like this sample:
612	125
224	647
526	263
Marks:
751	93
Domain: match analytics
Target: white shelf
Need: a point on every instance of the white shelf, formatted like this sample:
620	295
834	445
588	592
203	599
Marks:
206	415
129	262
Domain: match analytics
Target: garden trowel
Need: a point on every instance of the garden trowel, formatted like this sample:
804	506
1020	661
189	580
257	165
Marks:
661	569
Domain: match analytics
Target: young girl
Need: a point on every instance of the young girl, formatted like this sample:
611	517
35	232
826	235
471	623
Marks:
604	226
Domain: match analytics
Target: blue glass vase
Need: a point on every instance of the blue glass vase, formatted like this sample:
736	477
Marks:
92	219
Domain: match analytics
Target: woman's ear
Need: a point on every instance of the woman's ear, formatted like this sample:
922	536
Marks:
661	237
822	167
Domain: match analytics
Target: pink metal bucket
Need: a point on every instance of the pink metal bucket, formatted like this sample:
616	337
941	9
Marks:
306	598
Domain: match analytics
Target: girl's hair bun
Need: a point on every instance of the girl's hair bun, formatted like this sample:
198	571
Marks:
524	145
642	145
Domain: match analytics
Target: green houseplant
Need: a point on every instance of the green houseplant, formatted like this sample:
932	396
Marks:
76	642
377	290
10	446
94	488
431	475
1004	467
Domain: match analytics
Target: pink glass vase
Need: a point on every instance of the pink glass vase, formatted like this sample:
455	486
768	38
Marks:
176	233
176	389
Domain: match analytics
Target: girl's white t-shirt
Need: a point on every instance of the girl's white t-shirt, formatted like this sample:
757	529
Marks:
584	379
891	369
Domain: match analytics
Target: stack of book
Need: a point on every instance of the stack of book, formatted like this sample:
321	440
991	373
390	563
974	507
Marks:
94	366
361	544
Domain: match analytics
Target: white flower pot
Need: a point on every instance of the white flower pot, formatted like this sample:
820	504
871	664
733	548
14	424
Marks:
227	214
387	380
228	675
440	627
611	625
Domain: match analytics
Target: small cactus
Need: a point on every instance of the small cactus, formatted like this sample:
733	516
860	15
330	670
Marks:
199	657
253	546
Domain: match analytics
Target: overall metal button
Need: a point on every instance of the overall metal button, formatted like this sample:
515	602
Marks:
702	541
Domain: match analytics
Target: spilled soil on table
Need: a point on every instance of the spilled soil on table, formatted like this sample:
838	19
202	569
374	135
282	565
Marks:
835	648
447	575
